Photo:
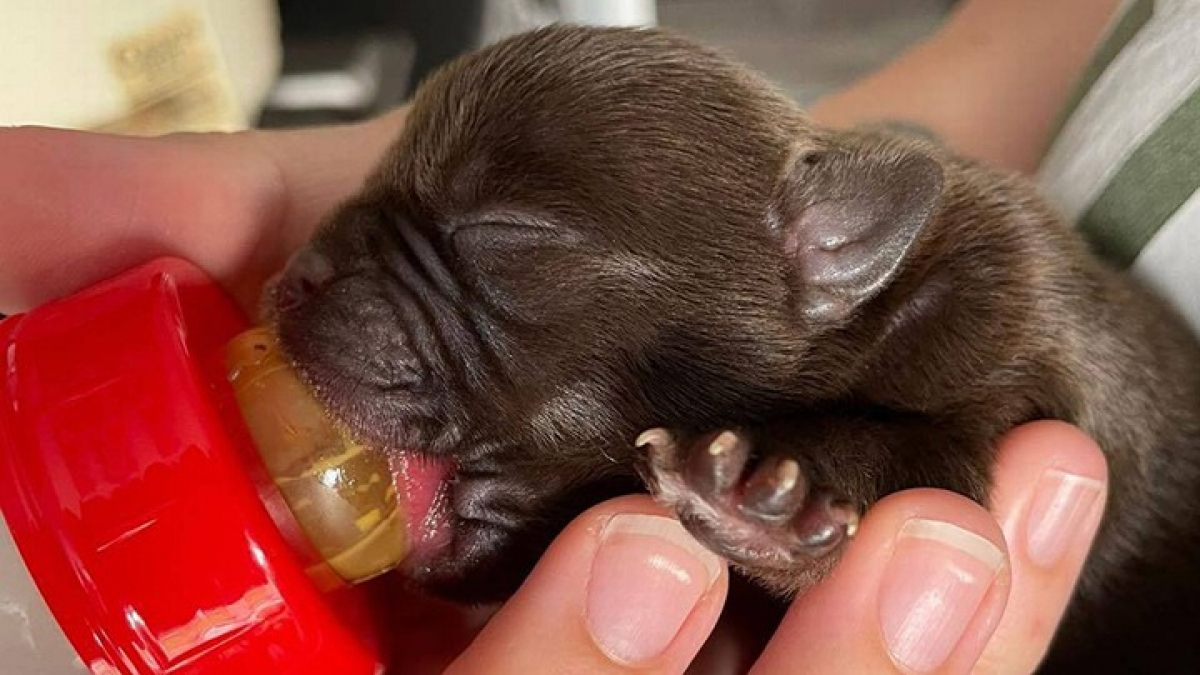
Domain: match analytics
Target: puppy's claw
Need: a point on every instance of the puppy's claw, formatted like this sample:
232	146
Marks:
717	469
654	439
824	524
725	442
846	514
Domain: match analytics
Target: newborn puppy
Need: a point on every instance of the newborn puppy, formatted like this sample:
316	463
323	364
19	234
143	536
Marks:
604	260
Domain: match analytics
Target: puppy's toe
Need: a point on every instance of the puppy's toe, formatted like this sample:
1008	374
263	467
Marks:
775	491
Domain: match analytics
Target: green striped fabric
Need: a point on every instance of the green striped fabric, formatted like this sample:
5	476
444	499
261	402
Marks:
1125	162
1149	188
1130	22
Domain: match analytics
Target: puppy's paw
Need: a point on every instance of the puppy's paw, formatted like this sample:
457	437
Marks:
763	516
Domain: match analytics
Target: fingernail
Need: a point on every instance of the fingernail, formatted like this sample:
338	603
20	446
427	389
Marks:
1062	507
932	588
647	576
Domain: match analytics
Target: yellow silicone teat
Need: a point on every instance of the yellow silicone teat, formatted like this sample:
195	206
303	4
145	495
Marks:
340	491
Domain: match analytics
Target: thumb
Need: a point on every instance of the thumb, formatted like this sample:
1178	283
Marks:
623	588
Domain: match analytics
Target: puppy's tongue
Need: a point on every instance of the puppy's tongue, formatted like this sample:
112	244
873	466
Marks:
424	486
363	510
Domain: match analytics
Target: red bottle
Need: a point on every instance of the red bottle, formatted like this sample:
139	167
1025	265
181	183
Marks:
140	524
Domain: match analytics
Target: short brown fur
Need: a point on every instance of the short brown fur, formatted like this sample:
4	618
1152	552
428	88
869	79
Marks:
582	233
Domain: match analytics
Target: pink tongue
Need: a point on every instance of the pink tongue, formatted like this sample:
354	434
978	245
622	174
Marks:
423	484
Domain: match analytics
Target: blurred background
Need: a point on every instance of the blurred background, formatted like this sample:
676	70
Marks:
137	67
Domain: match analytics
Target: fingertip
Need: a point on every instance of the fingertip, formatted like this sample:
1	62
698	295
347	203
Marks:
950	556
873	612
1042	444
1041	469
1049	495
623	587
889	513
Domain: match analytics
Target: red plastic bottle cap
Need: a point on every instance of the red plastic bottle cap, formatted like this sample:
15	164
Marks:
129	485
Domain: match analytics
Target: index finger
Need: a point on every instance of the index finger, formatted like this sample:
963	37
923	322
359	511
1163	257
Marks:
80	206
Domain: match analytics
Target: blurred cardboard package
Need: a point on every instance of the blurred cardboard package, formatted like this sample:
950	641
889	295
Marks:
137	67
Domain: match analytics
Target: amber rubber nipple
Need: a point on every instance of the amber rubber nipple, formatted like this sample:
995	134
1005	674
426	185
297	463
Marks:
340	492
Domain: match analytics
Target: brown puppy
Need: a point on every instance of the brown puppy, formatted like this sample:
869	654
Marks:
583	234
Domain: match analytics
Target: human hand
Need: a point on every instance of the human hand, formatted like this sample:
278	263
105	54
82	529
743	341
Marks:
79	207
932	582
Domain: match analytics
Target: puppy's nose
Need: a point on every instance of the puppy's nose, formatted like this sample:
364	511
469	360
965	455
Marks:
305	275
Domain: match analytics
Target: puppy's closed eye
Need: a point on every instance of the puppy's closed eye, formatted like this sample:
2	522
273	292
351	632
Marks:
517	268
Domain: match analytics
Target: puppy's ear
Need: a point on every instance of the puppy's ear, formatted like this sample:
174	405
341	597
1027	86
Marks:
847	218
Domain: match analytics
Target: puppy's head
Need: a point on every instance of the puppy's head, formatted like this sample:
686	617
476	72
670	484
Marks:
582	233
